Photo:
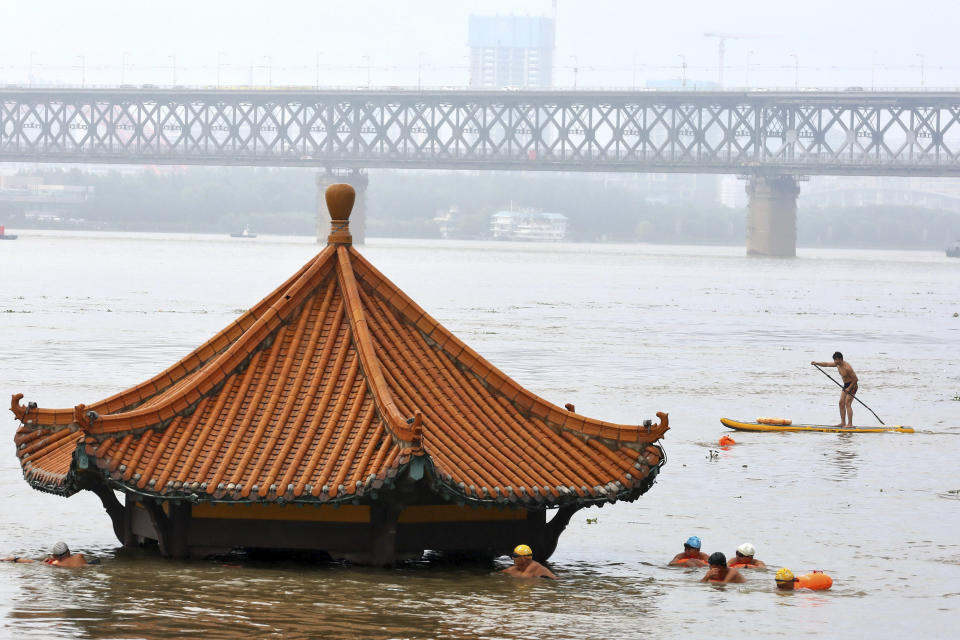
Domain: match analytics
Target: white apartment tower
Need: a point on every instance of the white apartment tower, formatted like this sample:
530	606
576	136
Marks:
511	51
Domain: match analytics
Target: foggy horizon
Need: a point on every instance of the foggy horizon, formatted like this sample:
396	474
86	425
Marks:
607	44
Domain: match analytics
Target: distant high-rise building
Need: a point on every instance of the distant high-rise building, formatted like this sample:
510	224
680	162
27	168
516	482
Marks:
511	51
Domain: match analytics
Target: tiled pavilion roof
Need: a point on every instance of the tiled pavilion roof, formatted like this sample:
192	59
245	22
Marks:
326	390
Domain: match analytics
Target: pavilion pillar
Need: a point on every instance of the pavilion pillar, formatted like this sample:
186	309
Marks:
772	216
112	506
383	523
551	532
161	524
179	527
358	218
129	539
171	526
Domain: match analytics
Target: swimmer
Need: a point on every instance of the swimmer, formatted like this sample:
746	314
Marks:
691	556
524	566
816	581
785	580
720	572
60	556
745	559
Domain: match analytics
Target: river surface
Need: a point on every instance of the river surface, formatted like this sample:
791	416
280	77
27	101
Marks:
622	331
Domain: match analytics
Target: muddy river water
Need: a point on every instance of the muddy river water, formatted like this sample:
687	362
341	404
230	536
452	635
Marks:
622	331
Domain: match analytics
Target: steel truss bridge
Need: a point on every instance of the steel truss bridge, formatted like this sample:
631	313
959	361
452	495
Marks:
752	133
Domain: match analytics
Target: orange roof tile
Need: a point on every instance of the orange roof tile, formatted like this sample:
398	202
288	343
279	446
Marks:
325	391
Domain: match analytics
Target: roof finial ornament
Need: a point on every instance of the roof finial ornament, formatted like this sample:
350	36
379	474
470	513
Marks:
340	198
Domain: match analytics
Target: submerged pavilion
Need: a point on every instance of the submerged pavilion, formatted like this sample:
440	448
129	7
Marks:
336	416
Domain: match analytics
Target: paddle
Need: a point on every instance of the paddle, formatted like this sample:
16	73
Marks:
854	397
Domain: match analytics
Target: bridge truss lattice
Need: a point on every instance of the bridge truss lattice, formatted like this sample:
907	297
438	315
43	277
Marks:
841	133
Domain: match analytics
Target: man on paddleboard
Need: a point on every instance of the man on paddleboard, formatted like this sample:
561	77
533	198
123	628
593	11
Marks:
850	381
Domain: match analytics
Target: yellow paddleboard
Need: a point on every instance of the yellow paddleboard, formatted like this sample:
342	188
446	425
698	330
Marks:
756	426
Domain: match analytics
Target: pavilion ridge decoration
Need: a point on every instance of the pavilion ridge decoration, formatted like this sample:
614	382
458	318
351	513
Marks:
335	416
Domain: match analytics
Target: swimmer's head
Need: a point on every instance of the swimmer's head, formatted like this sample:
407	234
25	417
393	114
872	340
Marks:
837	356
717	559
60	549
785	579
692	542
522	555
746	550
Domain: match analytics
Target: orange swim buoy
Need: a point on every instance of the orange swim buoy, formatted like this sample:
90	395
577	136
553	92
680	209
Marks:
727	440
816	581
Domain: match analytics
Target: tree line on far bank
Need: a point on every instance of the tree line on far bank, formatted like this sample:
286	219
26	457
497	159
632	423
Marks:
406	203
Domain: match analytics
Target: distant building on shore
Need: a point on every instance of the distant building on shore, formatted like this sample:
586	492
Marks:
445	220
29	197
528	225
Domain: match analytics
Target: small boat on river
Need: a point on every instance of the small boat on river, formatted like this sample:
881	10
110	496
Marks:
246	233
6	236
757	426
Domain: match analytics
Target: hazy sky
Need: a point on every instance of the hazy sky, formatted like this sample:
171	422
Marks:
614	43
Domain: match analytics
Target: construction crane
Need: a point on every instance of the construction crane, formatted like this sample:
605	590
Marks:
722	45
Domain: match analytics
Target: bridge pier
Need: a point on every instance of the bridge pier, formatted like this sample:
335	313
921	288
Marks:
772	216
358	219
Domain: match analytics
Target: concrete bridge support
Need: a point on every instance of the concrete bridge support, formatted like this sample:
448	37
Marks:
772	216
358	219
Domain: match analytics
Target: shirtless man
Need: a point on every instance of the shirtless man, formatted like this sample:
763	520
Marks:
850	381
524	566
745	559
720	572
691	556
60	556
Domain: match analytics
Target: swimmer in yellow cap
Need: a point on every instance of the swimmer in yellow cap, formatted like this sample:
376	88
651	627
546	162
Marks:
785	580
815	581
524	566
